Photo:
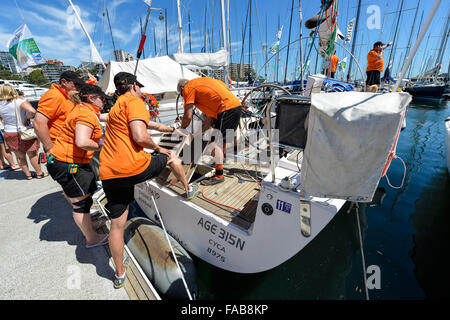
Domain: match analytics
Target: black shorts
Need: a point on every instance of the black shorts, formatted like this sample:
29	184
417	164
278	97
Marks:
76	184
227	120
373	77
120	191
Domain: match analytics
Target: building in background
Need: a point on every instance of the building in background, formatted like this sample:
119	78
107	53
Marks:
90	66
239	71
54	62
52	72
122	56
8	61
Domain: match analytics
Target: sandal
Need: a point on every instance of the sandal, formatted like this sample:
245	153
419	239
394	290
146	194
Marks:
42	175
30	177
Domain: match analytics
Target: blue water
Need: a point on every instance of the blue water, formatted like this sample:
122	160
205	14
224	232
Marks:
405	236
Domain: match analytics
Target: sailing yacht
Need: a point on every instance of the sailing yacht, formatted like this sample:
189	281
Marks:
32	92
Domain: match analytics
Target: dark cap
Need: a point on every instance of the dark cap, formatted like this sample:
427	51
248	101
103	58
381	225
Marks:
125	78
87	89
72	76
378	43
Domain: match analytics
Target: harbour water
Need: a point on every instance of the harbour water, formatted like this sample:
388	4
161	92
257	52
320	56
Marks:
404	238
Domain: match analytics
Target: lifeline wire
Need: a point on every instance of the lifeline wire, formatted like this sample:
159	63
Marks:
171	248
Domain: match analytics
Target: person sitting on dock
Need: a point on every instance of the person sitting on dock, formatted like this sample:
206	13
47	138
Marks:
222	109
124	163
375	65
53	107
71	154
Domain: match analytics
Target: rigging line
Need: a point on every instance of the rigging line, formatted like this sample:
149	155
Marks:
260	34
20	11
363	261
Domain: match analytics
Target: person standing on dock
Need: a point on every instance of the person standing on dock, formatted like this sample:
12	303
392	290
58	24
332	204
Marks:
17	112
71	153
375	65
124	163
222	109
53	107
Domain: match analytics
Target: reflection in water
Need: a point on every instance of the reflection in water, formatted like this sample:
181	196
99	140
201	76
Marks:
431	221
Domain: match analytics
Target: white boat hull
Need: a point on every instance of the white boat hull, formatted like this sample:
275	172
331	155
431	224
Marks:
447	142
270	241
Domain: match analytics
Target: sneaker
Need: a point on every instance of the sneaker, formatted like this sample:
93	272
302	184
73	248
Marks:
212	181
192	193
119	282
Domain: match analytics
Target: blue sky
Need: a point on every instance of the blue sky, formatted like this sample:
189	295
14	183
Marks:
58	37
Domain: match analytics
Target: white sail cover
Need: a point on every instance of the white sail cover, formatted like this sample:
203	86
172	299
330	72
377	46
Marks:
158	75
350	136
214	60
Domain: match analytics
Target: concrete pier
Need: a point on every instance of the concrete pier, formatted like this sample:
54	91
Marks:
42	251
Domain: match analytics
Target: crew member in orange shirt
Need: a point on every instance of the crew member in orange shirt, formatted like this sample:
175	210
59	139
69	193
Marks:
223	112
71	153
53	107
334	60
124	163
375	64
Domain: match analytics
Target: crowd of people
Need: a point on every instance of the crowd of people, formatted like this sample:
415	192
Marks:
67	123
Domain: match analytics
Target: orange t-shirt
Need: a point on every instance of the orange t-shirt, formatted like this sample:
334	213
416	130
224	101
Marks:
334	63
211	96
55	104
64	148
120	156
374	63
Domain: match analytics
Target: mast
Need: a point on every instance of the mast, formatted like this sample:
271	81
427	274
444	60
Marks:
189	26
212	26
301	46
418	30
250	37
180	28
384	20
443	45
395	35
354	40
289	42
278	51
204	37
417	44
412	29
165	27
267	46
110	30
93	48
224	34
154	40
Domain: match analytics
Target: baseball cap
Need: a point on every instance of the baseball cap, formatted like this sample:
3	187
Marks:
125	78
378	43
72	76
87	89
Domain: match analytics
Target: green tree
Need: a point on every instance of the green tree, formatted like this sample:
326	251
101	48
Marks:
37	77
6	74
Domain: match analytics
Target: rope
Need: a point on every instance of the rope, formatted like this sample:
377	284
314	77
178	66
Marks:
362	251
316	30
171	249
404	174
